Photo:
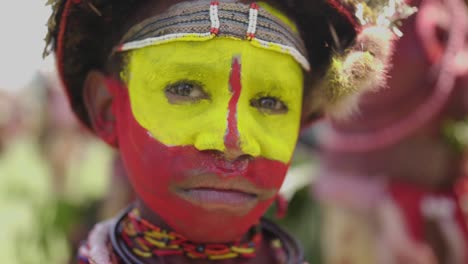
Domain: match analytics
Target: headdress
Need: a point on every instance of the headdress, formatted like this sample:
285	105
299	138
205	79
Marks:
347	43
201	21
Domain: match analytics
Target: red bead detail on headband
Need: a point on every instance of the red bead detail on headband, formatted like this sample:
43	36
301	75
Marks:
214	31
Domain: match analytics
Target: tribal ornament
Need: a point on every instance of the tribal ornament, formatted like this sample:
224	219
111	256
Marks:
146	240
195	21
363	66
383	13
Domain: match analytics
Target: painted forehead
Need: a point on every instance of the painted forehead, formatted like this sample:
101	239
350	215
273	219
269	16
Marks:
260	24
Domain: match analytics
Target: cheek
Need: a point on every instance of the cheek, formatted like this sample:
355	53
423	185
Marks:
202	122
276	135
177	125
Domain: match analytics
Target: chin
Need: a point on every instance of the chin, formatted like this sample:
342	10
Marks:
209	224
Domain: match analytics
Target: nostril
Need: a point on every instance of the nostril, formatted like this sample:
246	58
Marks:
232	166
245	157
213	152
236	167
242	162
233	154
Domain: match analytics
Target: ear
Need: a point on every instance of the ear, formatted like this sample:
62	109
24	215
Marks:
98	101
433	24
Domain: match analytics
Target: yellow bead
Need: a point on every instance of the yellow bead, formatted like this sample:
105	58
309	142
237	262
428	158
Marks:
141	253
243	250
225	256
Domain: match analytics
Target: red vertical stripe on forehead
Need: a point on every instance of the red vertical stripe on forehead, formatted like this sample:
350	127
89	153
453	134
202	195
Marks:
231	140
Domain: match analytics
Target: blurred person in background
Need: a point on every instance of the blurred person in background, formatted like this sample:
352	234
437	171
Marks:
53	175
80	166
27	211
73	154
393	177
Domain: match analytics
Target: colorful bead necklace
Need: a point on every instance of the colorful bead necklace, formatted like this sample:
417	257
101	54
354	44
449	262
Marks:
146	240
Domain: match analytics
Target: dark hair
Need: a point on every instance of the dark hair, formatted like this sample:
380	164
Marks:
90	28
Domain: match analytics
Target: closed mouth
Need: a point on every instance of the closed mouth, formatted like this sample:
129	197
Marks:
236	195
213	199
221	196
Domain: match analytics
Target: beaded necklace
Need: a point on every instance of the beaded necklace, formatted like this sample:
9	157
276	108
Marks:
146	240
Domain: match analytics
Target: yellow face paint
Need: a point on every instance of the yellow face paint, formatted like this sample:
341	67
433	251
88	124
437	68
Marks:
181	93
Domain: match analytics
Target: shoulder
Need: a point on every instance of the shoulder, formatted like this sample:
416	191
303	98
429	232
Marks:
97	249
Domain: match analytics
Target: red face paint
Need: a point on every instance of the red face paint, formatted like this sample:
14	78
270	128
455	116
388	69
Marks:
232	134
159	174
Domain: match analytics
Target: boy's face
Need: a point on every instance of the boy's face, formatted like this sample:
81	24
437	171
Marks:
207	130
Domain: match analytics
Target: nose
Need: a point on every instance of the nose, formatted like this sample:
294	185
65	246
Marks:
240	146
232	163
235	144
232	154
230	149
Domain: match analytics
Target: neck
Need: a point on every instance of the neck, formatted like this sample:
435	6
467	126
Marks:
145	236
150	216
153	218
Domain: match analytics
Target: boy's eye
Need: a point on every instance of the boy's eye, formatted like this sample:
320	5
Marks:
185	91
270	105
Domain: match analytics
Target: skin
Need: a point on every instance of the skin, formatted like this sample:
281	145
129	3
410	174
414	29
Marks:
226	140
206	139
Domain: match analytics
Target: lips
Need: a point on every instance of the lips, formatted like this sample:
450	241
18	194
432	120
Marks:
211	192
214	199
220	196
236	202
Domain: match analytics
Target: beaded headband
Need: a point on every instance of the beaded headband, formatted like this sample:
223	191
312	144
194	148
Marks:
196	21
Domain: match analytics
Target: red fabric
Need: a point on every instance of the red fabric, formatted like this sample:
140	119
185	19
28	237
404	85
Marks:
409	199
